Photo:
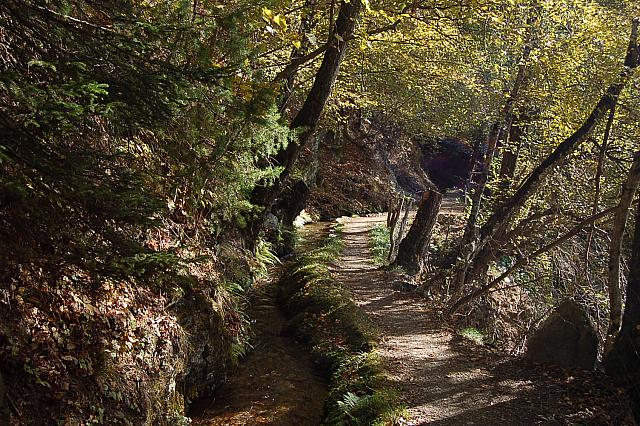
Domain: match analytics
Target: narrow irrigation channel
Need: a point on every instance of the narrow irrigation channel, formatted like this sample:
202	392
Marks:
277	383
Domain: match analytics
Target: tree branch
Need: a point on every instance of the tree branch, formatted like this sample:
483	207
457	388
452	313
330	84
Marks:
526	259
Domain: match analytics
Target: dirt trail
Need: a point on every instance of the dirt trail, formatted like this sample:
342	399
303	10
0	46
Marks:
275	384
444	379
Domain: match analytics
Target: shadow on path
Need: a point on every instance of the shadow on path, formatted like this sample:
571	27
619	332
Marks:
444	379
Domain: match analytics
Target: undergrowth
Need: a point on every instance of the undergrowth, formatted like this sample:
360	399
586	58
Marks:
341	338
380	244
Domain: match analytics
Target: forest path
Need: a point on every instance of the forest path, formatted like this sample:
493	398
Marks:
276	383
444	379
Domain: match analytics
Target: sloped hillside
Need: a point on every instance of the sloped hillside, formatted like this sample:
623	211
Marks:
362	165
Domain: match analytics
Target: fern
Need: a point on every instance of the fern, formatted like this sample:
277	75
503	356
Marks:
264	257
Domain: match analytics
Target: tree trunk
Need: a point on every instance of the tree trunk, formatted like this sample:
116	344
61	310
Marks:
508	168
393	215
471	236
481	183
629	189
499	221
511	152
291	206
414	247
623	361
403	223
2	394
309	115
394	207
396	230
505	212
309	22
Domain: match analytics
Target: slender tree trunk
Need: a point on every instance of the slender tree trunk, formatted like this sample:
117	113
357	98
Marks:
599	171
414	247
499	221
403	224
505	212
392	208
288	79
492	139
629	189
508	168
393	215
481	182
623	361
309	115
471	234
511	152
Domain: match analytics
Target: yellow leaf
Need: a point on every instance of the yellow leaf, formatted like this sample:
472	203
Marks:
297	44
281	21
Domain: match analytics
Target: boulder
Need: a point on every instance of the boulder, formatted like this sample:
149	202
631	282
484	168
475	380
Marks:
566	339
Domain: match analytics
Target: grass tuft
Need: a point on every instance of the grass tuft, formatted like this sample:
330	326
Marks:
379	241
473	334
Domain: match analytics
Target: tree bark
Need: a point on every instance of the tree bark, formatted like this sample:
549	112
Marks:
287	79
629	189
403	223
393	215
414	247
511	152
309	115
507	168
623	361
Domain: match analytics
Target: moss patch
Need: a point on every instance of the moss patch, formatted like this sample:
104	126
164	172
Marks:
341	338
